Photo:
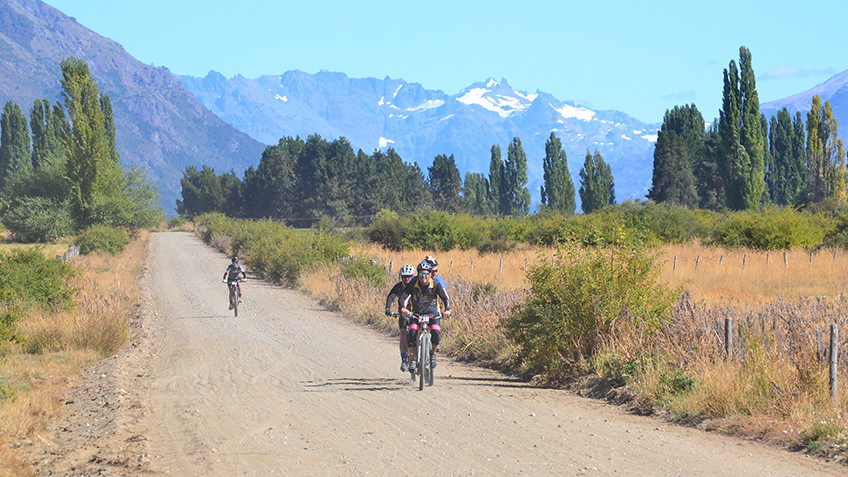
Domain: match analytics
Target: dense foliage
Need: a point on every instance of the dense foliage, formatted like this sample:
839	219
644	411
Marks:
71	177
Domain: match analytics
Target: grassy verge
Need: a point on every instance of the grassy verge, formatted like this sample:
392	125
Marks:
53	346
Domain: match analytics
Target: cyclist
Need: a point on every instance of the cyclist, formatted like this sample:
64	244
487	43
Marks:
423	297
231	275
406	274
434	265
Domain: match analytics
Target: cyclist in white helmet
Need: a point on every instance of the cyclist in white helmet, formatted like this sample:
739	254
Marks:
406	274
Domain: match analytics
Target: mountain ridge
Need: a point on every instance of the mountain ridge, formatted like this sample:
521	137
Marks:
420	123
161	127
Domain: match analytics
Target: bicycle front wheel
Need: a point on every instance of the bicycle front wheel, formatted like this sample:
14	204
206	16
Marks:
423	360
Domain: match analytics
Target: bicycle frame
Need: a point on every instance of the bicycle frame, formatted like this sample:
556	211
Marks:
424	370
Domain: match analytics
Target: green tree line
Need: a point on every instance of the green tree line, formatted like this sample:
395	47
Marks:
66	175
301	182
744	161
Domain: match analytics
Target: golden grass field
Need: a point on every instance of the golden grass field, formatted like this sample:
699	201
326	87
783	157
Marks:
710	274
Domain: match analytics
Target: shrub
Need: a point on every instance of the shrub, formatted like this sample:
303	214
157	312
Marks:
272	249
364	270
578	304
773	229
386	229
28	278
39	219
102	238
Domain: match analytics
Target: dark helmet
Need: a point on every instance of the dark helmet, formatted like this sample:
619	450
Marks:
406	271
235	259
425	265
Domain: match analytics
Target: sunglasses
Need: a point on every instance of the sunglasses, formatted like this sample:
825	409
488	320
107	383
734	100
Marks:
424	274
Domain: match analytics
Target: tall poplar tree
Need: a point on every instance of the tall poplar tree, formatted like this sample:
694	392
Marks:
597	189
708	179
787	174
741	159
496	182
558	189
825	154
475	193
47	145
94	176
15	151
515	180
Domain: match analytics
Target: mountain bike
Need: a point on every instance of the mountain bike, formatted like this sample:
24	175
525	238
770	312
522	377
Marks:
234	296
424	371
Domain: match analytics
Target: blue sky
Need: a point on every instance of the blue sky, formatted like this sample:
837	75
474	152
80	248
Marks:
641	58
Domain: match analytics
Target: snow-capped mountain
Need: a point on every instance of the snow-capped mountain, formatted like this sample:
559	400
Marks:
420	124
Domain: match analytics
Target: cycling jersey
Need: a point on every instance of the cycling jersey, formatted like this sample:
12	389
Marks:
232	272
425	300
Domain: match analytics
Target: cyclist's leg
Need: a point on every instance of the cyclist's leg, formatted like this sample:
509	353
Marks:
404	348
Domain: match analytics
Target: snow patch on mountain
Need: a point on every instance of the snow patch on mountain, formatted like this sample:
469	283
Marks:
567	111
429	104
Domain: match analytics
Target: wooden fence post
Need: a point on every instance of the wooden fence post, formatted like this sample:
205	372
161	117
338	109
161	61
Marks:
785	260
728	337
834	357
819	350
472	269
674	267
767	258
450	267
697	261
720	259
500	268
811	259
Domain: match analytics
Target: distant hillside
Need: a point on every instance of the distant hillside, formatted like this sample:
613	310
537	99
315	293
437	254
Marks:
834	90
420	124
161	127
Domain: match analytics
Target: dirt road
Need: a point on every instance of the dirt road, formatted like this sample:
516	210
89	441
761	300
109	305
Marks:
290	388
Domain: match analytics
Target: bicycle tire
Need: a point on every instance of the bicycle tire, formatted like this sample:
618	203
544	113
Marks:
424	360
431	374
234	300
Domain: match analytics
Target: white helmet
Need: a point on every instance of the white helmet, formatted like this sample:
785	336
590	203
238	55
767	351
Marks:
406	271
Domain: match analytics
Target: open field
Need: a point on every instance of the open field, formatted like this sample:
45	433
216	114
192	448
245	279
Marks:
709	274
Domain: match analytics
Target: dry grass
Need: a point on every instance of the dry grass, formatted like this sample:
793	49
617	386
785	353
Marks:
709	274
779	392
57	346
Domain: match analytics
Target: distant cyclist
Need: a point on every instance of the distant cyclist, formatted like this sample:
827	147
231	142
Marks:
422	297
406	274
231	274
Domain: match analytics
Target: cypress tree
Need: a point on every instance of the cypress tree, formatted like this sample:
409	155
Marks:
445	183
708	179
558	188
597	189
679	147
